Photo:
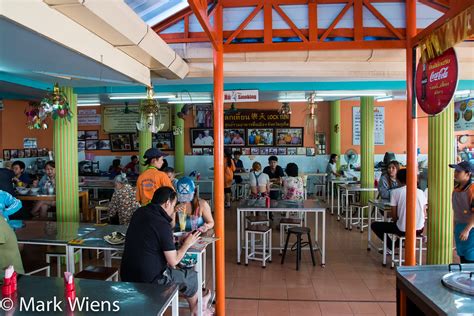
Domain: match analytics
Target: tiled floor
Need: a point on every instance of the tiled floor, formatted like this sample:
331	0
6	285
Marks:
352	283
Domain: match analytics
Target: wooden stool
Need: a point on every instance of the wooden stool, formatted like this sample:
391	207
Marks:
266	251
298	231
98	273
285	224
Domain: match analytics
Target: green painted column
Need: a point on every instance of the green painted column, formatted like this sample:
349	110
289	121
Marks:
145	142
179	141
335	128
66	159
367	146
440	186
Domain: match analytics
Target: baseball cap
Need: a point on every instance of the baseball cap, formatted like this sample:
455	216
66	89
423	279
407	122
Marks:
185	189
463	166
154	153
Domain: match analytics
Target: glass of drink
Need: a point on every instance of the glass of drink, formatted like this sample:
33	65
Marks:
182	220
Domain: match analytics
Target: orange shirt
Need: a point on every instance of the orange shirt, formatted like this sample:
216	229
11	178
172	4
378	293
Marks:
148	182
228	174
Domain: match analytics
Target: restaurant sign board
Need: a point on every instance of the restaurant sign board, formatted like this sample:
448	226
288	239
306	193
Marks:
256	119
238	96
436	82
115	120
463	115
379	125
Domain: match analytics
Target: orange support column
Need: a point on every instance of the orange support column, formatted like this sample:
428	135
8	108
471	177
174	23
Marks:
219	163
412	166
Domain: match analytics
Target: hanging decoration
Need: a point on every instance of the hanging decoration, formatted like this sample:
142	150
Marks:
311	118
285	108
150	118
54	105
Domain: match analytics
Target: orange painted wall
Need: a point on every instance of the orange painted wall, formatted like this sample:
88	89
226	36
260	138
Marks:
13	127
395	128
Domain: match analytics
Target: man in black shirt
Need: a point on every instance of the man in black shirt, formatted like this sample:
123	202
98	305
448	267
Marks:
150	254
275	173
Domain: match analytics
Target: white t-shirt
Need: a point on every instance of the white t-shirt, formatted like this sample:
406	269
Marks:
398	198
263	179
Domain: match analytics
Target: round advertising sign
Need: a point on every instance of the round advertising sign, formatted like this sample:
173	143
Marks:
436	82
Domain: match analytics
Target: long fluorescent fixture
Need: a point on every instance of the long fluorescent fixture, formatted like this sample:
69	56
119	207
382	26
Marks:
299	100
462	92
383	99
81	101
351	94
190	101
88	104
141	96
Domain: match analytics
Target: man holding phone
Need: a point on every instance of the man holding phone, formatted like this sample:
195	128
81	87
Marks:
150	255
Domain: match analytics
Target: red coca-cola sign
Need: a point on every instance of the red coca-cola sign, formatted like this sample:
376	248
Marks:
436	82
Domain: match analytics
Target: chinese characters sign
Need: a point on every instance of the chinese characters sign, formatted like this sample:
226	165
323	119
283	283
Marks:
436	82
255	118
379	125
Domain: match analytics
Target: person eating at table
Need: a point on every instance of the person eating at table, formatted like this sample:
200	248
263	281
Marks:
21	178
132	166
192	205
463	208
47	185
388	181
115	168
259	181
152	178
123	202
331	168
275	173
398	200
293	185
150	254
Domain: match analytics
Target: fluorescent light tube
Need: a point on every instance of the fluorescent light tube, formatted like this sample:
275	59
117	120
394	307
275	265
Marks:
141	97
189	101
383	99
88	104
351	94
299	100
462	92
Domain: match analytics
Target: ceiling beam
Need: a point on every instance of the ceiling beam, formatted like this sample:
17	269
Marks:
200	11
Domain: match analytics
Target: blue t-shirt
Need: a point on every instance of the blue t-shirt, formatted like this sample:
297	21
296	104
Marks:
8	204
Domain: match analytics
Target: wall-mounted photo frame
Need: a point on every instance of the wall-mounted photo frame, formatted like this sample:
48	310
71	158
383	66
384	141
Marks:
255	151
21	153
245	151
6	154
264	151
234	137
273	151
301	151
81	135
120	142
260	137
163	140
282	151
202	137
91	145
34	152
209	151
91	135
320	143
292	137
27	152
103	144
13	153
291	151
197	151
135	142
81	145
310	151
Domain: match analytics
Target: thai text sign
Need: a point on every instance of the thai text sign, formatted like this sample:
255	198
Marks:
255	119
436	82
463	115
379	125
241	96
116	120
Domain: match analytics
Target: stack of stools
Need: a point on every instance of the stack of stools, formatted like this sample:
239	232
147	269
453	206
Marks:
299	232
258	226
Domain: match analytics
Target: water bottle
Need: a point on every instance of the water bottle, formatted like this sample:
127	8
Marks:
267	201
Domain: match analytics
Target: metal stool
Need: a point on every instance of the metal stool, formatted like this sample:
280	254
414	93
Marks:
266	247
59	256
401	244
360	215
286	223
299	231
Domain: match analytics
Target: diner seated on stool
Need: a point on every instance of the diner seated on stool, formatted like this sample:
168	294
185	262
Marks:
388	181
293	185
21	179
115	168
124	202
132	167
398	199
191	204
47	186
331	168
275	173
259	181
150	254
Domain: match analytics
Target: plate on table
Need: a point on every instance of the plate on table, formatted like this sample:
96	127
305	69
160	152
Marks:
115	238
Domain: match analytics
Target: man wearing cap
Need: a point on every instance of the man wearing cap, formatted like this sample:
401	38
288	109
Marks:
152	178
463	207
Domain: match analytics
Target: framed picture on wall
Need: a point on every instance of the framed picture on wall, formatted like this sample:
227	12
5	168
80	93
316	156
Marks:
255	151
289	136
245	151
103	144
234	137
13	153
301	151
91	145
310	151
264	151
290	151
81	145
260	136
81	135
282	151
27	152
163	140
91	135
273	151
34	152
202	137
21	153
197	151
6	154
135	142
120	142
208	151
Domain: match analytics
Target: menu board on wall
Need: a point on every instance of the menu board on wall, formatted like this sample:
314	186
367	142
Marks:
379	125
256	119
117	121
88	117
463	112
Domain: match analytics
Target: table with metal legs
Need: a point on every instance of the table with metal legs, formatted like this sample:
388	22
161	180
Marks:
346	189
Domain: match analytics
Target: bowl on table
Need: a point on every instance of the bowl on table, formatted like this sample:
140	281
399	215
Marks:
22	191
34	191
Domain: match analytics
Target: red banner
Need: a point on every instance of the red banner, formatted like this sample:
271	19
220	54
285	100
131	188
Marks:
436	82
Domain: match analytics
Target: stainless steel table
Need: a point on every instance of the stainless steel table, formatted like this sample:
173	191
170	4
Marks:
425	294
307	206
334	182
115	298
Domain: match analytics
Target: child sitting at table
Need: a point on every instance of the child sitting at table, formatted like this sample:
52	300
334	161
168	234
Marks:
47	186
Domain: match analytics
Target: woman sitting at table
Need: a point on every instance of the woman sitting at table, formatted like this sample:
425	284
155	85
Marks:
389	180
115	168
47	186
293	185
191	204
331	169
259	181
124	202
